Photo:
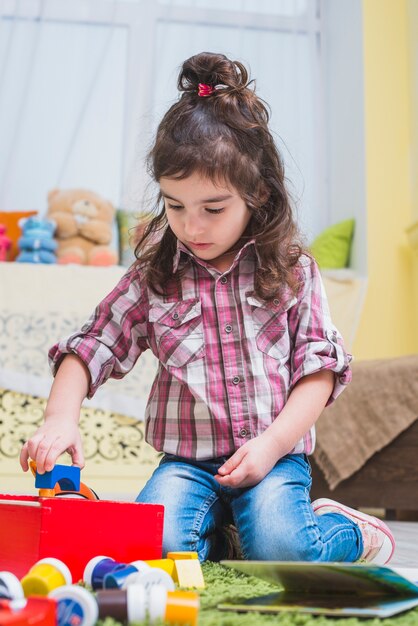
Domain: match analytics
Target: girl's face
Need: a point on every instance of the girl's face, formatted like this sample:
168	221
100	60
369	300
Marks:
208	219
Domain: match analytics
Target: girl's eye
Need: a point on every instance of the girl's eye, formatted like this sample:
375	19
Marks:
175	207
215	211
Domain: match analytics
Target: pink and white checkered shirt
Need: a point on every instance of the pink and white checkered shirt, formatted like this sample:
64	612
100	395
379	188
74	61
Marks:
227	360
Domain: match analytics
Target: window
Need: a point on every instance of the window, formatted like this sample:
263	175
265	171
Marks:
95	76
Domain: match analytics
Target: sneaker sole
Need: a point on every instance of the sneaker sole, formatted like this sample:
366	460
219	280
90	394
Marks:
323	505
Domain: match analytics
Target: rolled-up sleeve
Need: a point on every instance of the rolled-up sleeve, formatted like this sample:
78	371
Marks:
114	337
317	344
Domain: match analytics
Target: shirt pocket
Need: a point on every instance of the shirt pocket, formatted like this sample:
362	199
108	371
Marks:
178	332
271	330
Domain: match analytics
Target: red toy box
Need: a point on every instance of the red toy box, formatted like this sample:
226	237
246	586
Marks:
74	531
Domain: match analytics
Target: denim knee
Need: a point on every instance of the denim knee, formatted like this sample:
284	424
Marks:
192	509
286	546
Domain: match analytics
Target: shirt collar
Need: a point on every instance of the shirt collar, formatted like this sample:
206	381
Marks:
182	248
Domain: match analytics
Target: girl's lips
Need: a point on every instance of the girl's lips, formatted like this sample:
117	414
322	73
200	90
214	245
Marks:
198	245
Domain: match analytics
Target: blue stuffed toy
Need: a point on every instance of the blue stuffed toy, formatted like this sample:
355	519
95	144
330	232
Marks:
37	244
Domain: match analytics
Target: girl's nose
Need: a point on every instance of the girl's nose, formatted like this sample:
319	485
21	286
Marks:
192	227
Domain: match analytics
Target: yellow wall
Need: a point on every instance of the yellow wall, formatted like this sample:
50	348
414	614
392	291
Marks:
388	323
413	51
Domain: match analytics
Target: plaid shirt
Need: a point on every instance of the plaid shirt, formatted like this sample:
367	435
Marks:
227	360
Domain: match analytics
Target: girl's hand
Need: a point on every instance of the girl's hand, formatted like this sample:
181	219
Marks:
250	463
55	436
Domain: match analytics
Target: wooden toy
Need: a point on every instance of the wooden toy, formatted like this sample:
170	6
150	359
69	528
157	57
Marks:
187	570
67	476
188	573
62	481
182	556
165	564
75	530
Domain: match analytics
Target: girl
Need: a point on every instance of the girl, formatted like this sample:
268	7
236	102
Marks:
237	316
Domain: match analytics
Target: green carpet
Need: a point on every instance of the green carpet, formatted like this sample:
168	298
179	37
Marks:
223	583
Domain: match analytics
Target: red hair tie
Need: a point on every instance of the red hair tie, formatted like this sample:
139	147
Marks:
205	90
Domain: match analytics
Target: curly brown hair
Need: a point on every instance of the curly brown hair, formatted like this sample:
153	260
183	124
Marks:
225	138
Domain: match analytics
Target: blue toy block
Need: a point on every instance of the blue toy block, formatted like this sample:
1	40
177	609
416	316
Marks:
67	476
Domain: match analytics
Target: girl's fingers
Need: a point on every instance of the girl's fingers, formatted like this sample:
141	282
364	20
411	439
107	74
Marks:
52	454
232	463
77	455
45	453
33	447
237	478
24	457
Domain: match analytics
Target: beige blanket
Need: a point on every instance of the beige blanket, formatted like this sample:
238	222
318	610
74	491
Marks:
380	403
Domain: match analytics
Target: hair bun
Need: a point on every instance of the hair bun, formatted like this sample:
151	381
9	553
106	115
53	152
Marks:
211	69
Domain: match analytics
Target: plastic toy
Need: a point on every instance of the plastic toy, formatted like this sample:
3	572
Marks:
175	607
76	606
5	243
62	481
34	611
44	576
10	587
153	576
128	605
99	568
102	572
36	244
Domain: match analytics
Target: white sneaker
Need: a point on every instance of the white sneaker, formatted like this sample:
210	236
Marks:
378	541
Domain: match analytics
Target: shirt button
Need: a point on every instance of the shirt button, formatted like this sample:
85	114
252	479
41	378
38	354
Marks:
228	328
224	280
175	316
243	432
276	302
236	380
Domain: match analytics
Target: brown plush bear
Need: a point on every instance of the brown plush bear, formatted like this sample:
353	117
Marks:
84	226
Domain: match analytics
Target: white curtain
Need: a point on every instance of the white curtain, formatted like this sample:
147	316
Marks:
84	83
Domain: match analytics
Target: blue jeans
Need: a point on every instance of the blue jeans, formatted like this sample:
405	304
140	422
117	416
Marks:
274	519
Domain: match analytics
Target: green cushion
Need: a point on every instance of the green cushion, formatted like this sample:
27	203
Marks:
332	247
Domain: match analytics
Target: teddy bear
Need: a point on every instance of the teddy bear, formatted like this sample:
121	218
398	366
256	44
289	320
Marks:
83	226
37	244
